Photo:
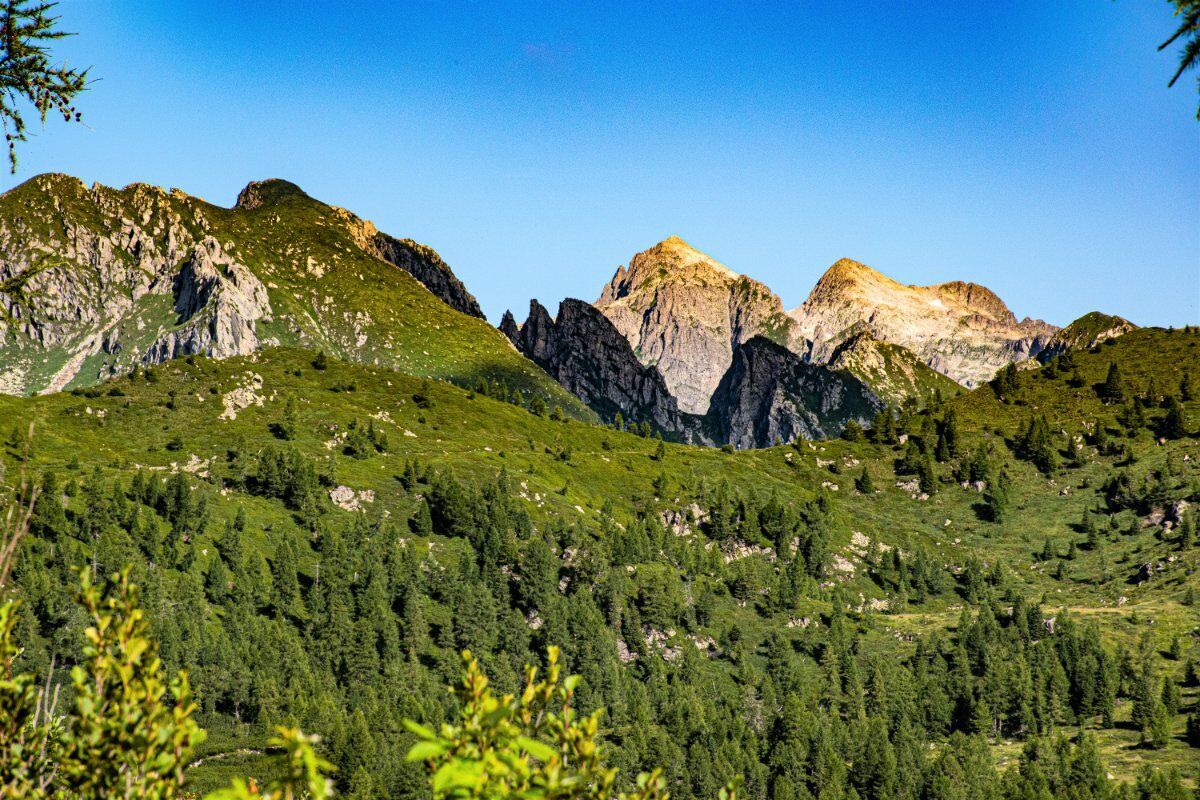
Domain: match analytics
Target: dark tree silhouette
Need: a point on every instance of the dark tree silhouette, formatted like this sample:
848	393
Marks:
1188	12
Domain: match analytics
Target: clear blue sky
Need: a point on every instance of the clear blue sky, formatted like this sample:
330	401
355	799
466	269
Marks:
1029	146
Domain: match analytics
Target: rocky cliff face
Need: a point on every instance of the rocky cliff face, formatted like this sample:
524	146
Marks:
582	350
94	280
962	330
684	313
427	266
1084	333
219	302
770	395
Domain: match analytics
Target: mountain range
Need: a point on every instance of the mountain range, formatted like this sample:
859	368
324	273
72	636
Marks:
330	476
94	281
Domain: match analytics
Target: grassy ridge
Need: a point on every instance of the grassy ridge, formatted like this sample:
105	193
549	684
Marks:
326	291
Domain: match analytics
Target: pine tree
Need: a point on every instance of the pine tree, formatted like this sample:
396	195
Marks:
949	437
853	431
29	74
1005	383
1173	426
926	476
1170	697
995	499
289	425
1113	389
285	583
864	484
421	522
1157	731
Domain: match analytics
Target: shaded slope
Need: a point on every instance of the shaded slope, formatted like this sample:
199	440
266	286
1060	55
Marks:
770	396
582	350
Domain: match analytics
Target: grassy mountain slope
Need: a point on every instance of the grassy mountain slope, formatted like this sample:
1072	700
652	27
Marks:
568	473
893	372
91	283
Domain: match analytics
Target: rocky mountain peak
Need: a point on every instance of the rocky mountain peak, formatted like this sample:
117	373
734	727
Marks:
684	312
961	329
269	192
670	261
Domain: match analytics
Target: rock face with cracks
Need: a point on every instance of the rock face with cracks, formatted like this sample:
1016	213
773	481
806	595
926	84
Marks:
769	396
582	350
960	329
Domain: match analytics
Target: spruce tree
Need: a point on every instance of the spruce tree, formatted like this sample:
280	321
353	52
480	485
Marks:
1113	389
1173	426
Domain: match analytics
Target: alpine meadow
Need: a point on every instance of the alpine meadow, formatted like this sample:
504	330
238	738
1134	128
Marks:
292	508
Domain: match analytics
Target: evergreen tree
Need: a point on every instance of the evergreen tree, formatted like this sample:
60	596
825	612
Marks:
1113	388
29	74
996	500
289	425
1173	426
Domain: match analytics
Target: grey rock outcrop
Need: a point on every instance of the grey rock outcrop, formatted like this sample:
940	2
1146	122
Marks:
684	313
582	350
770	395
218	302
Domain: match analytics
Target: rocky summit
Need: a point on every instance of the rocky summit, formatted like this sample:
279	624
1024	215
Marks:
1091	329
962	330
684	313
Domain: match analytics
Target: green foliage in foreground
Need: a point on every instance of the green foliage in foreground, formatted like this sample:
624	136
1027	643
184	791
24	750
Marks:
28	74
532	745
128	732
127	736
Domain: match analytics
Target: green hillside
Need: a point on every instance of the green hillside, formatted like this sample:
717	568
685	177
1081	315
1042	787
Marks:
894	373
326	291
784	614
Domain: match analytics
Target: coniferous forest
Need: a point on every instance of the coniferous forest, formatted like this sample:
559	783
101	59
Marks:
285	514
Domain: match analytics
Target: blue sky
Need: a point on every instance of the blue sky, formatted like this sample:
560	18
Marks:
1029	146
